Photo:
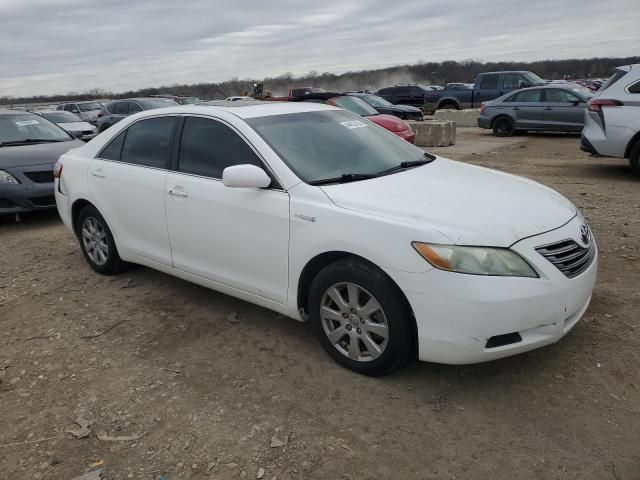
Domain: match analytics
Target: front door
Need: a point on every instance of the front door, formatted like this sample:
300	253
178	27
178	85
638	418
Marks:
563	110
238	237
127	182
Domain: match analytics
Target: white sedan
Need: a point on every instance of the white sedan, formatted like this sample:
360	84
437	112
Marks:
321	215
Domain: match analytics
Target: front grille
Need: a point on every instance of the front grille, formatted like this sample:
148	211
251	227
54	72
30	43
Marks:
570	258
45	176
47	201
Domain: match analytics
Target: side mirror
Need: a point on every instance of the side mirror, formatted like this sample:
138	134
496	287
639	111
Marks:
245	176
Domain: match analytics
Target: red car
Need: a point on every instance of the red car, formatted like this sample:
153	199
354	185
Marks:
362	108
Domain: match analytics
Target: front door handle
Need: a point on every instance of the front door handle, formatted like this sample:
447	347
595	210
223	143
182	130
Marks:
178	193
98	173
548	108
516	108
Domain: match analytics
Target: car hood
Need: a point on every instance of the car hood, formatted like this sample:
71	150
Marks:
468	204
37	154
390	122
76	126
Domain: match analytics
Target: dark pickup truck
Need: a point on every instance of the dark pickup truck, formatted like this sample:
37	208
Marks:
488	86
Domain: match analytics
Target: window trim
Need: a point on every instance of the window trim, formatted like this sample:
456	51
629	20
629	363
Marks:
168	161
276	184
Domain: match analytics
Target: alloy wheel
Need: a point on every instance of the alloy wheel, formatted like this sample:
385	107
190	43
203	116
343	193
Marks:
354	322
94	239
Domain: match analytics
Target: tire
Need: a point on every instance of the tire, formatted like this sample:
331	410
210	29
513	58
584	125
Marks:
372	341
448	106
634	158
97	243
503	127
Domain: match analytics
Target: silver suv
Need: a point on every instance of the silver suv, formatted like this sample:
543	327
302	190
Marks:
612	118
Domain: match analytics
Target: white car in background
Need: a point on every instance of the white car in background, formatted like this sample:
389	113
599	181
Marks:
612	118
71	123
320	214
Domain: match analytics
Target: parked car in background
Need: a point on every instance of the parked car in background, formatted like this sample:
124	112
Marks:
413	95
87	111
71	123
405	112
313	212
552	108
179	99
360	107
29	147
295	93
488	86
612	118
119	109
458	86
238	97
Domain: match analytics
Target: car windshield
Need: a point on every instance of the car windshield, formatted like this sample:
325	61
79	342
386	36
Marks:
533	79
90	106
61	117
157	103
25	127
329	144
375	101
190	100
355	105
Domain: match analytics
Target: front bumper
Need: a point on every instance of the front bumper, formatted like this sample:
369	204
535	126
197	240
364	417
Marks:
457	314
28	195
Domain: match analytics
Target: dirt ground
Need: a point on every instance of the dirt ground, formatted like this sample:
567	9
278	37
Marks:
223	389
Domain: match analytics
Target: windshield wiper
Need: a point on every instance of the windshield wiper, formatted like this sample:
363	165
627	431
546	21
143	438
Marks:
344	178
405	165
29	140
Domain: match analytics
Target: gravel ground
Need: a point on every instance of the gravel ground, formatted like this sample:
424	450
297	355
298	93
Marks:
207	386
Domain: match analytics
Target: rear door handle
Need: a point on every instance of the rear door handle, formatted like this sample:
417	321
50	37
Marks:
98	173
548	108
178	193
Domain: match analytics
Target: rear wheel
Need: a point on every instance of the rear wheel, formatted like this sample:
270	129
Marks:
634	158
360	317
97	243
503	127
448	106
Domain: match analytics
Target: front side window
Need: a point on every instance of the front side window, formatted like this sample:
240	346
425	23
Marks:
556	95
328	144
513	81
148	142
528	96
489	82
208	147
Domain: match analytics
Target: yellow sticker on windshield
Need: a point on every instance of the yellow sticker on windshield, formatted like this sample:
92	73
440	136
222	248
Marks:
351	124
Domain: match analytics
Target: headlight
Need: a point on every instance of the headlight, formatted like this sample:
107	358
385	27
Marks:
475	260
6	177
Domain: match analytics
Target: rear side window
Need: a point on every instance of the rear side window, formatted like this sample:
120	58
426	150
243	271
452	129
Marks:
526	96
134	107
114	148
635	88
489	82
556	95
386	91
208	147
110	108
148	142
617	75
121	108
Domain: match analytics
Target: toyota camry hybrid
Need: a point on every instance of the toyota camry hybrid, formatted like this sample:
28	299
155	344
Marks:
391	253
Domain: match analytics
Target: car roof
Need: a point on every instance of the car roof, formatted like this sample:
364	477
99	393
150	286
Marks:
244	109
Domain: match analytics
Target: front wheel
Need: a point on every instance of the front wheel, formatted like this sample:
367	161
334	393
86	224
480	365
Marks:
503	127
360	317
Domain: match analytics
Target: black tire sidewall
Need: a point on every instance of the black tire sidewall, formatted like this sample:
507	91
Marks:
398	314
634	158
496	124
113	264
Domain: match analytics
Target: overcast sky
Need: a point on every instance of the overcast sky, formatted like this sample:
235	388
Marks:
57	46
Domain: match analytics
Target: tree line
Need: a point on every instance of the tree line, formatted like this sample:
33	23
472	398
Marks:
430	73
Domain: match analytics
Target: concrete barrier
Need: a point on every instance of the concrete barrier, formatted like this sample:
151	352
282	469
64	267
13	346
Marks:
463	118
434	133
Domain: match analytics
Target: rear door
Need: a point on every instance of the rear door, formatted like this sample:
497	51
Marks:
127	182
238	237
526	109
563	110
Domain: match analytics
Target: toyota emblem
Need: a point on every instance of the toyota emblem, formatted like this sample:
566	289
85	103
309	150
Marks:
584	234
